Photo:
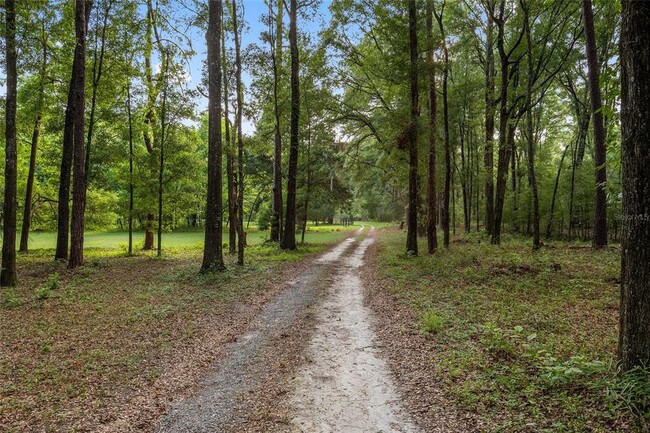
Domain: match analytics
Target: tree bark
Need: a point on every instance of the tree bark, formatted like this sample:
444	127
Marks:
8	272
504	148
276	57
130	121
445	214
634	341
411	234
230	158
63	217
600	203
240	141
490	110
309	176
213	249
549	225
289	238
466	195
152	95
82	11
432	235
29	190
532	179
161	165
151	88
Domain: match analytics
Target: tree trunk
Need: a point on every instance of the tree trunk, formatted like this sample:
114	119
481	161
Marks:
464	178
476	190
152	95
82	10
213	249
502	181
634	342
411	234
453	194
504	148
230	158
63	217
130	120
444	220
308	183
151	87
240	141
289	238
29	190
276	57
148	232
161	165
600	204
549	225
490	110
98	68
532	179
432	236
8	272
572	189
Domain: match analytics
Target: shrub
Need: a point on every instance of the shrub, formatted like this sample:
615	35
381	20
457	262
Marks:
431	322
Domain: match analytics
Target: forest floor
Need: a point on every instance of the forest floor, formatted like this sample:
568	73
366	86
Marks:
105	348
504	338
361	338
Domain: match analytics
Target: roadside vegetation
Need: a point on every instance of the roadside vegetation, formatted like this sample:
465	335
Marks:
526	340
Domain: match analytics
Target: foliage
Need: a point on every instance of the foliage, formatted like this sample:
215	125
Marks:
529	338
431	322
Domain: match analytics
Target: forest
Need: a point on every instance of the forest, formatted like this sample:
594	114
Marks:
325	215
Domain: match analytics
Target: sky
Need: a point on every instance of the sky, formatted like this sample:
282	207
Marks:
253	11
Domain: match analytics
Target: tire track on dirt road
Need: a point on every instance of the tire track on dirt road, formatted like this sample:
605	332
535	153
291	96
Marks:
346	386
221	395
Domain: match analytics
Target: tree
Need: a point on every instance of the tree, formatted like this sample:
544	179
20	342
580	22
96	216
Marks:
289	238
432	236
161	164
63	215
506	129
240	141
412	220
36	135
600	203
8	271
445	216
78	87
231	182
130	122
153	85
490	110
276	57
213	248
532	179
634	341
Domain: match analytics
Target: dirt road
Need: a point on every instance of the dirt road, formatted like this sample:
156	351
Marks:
308	362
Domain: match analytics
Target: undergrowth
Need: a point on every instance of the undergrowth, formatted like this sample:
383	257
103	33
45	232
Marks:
525	339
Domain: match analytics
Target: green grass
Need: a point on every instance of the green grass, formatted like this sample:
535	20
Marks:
181	239
525	339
